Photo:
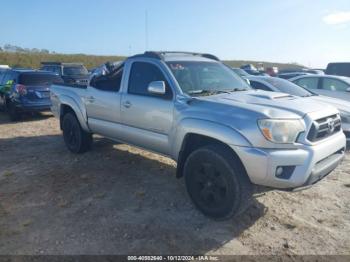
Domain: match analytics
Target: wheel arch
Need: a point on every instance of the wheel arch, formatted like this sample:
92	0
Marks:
189	139
69	105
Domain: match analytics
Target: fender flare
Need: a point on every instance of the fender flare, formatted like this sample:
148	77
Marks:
78	109
214	130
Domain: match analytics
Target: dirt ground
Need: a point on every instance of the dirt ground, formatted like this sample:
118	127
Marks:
117	199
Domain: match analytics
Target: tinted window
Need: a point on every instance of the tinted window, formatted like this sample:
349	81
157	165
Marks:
75	70
288	87
334	85
308	82
258	85
109	82
54	69
39	79
141	75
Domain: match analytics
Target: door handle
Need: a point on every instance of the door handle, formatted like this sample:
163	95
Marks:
127	104
91	99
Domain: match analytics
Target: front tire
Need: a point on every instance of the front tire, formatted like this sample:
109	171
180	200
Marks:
217	182
76	139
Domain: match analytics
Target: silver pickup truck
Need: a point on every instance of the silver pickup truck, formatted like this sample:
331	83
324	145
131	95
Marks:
225	137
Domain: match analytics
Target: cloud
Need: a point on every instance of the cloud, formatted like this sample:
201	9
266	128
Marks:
337	18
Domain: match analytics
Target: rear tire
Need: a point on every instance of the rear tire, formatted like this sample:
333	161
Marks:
217	182
76	139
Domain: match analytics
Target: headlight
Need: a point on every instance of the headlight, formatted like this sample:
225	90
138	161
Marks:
281	130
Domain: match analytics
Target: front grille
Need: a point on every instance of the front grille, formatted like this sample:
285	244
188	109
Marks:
324	127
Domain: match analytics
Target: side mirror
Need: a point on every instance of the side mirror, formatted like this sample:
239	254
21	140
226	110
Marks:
156	87
348	89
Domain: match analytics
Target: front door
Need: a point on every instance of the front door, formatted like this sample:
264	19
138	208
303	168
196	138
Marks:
147	118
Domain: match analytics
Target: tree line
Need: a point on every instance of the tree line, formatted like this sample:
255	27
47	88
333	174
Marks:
16	56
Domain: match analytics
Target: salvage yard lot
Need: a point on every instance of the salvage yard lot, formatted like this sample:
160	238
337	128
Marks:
117	199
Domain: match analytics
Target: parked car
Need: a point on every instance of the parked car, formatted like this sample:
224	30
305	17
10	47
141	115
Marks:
327	85
285	86
71	73
240	72
339	69
225	136
272	71
252	70
291	75
25	91
314	71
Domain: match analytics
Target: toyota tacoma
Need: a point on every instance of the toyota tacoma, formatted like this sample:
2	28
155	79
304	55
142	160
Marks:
225	137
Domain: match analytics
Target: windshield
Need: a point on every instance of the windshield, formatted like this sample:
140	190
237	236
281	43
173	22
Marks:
288	87
75	70
206	78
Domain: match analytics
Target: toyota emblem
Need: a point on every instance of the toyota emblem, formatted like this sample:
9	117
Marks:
330	124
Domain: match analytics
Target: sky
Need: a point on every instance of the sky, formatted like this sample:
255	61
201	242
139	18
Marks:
311	33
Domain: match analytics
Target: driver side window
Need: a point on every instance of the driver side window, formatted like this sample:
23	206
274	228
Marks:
334	85
308	82
141	75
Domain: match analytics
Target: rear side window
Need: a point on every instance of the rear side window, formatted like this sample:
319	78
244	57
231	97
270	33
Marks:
141	75
258	85
334	85
308	82
74	70
39	79
110	82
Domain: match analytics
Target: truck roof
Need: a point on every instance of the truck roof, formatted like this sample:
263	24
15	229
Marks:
177	56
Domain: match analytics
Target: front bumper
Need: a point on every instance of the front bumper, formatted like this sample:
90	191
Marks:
309	163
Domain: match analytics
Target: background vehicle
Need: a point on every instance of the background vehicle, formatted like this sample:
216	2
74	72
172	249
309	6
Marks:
272	71
252	70
327	85
225	136
339	69
240	72
285	86
25	91
71	73
291	75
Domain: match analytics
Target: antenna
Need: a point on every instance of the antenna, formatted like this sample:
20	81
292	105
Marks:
146	30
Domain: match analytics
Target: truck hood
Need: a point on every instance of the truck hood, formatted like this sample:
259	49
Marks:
271	104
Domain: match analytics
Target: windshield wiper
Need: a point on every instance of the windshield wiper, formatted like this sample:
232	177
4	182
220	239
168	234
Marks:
214	92
237	89
207	92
